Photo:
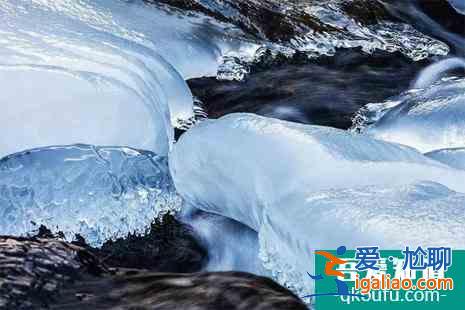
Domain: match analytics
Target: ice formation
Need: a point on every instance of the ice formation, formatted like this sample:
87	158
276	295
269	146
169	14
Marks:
278	171
98	192
452	157
427	119
418	214
115	68
268	158
320	27
384	35
433	73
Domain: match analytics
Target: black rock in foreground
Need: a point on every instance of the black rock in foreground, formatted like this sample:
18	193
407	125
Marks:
32	270
46	273
163	291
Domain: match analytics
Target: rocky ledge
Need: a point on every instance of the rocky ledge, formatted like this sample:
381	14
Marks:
44	272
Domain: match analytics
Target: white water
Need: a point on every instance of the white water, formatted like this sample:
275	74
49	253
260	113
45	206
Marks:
433	73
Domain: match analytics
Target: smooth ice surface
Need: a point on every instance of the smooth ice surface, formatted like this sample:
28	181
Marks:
266	174
419	214
433	73
268	159
427	119
99	72
98	192
452	157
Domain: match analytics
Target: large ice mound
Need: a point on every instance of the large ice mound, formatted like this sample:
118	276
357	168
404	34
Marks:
98	192
268	159
99	72
269	175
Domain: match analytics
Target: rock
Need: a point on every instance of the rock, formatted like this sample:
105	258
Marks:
167	291
323	91
32	270
169	246
46	273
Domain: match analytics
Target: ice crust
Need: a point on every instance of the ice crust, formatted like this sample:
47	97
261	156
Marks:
97	192
294	183
418	214
427	119
115	68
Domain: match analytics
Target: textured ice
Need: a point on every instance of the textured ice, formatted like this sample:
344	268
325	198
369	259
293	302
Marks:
418	214
385	36
268	174
115	68
98	192
382	35
454	157
427	119
320	27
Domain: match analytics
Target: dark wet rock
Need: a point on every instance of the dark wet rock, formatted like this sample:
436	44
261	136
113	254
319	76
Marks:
169	246
38	273
32	270
278	20
322	91
162	291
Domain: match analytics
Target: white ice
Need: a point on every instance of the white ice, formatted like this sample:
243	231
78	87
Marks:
261	171
419	214
99	72
427	119
97	192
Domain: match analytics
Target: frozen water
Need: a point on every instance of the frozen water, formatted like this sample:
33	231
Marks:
320	27
432	73
452	157
115	68
382	35
276	171
98	192
269	158
418	214
427	119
